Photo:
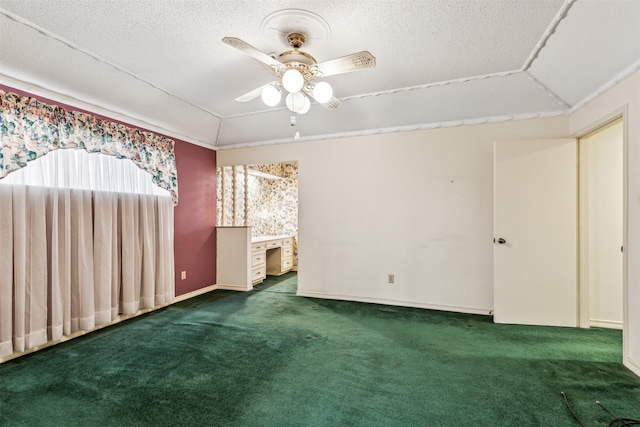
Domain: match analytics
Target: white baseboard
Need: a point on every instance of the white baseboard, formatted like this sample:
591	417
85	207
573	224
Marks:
633	367
610	324
195	293
238	288
217	286
385	301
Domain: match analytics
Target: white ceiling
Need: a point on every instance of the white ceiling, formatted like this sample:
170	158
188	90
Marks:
161	64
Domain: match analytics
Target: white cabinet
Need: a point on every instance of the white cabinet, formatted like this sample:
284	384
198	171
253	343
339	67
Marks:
243	262
278	253
280	258
258	262
233	258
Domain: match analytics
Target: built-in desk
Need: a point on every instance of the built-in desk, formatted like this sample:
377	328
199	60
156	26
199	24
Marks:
243	261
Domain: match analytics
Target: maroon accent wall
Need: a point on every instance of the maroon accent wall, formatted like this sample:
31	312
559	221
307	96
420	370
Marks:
195	215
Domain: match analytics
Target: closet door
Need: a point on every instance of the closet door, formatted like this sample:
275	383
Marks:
535	229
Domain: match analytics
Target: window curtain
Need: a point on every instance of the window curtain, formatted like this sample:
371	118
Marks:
83	237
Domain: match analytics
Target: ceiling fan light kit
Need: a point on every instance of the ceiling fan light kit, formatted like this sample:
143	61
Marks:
271	95
297	102
322	92
296	70
292	80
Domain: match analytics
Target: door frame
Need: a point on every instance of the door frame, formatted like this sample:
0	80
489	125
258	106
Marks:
583	285
583	197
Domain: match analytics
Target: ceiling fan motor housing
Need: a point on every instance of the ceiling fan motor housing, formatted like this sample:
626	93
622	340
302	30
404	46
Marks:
298	59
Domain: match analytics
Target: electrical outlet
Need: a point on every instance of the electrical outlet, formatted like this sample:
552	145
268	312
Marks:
183	275
391	278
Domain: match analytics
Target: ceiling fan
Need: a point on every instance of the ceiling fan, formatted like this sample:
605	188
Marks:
296	73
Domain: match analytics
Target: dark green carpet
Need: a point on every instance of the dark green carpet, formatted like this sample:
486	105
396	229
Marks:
269	358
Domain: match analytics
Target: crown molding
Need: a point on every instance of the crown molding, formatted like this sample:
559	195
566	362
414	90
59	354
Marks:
627	72
407	128
387	92
560	16
73	46
57	97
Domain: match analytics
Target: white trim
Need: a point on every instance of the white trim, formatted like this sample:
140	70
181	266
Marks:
234	288
389	91
610	324
195	293
60	98
626	354
560	16
622	111
583	238
386	301
407	128
607	86
549	92
632	367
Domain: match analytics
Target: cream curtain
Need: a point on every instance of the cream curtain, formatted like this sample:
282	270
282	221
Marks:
80	243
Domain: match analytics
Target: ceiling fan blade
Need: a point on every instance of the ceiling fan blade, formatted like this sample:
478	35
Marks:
253	52
354	62
331	104
251	95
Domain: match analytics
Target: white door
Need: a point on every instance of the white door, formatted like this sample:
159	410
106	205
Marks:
535	216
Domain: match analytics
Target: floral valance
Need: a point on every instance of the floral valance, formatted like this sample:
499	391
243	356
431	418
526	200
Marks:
30	129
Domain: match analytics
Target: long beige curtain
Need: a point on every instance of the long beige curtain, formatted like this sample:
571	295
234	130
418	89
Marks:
83	237
76	250
73	259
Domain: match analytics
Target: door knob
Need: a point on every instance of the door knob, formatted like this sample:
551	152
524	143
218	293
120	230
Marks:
502	241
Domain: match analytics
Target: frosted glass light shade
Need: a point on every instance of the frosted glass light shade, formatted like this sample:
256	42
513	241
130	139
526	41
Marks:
271	95
295	101
305	106
292	80
322	92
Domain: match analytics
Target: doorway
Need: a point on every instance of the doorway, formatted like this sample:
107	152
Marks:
601	219
262	196
547	270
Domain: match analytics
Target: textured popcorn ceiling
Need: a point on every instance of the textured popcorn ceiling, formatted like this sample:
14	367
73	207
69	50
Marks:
161	64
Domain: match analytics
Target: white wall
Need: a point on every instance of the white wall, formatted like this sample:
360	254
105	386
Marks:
398	212
624	97
415	204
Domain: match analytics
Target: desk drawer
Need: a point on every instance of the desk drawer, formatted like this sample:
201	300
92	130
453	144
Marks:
257	258
287	263
287	251
274	244
287	241
258	274
258	246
